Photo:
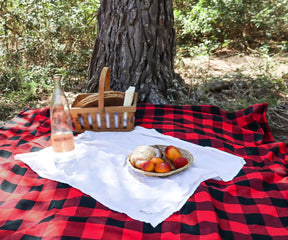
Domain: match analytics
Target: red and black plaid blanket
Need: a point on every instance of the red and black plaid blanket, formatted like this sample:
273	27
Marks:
254	205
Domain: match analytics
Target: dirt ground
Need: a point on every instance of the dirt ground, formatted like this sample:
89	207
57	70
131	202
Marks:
249	65
235	81
230	81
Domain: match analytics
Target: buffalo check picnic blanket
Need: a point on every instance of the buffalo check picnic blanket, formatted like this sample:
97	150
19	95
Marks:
253	205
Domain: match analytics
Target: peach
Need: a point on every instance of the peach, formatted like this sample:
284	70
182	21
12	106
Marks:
156	160
172	153
162	167
180	162
148	166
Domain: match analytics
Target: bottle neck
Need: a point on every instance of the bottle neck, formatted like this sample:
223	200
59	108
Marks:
58	97
57	82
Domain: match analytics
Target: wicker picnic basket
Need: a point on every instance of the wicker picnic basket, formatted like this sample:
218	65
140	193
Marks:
103	111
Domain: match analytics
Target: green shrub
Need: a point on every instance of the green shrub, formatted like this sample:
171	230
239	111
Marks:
242	24
42	37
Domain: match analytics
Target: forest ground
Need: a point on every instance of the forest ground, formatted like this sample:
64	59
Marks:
229	80
235	81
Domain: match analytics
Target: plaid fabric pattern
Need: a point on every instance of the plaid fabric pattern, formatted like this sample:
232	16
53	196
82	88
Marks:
253	205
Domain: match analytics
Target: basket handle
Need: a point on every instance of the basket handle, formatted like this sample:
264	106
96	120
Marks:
104	85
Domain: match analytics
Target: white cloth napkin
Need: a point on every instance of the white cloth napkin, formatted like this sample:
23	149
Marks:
99	169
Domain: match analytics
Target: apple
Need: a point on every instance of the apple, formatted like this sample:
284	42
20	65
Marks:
156	160
148	166
163	167
180	162
172	153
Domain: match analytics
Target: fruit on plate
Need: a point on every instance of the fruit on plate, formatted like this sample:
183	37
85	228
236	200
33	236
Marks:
172	153
163	167
148	166
180	162
156	160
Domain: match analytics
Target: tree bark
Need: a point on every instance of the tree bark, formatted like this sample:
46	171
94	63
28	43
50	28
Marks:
136	40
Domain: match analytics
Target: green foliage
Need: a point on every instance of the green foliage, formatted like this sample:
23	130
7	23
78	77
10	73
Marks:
42	37
242	24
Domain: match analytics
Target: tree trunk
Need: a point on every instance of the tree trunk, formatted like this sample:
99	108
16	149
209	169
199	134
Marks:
136	40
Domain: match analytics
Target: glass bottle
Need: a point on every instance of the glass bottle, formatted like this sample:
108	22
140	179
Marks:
61	123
